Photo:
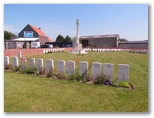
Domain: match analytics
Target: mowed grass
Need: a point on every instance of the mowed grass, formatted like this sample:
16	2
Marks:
29	93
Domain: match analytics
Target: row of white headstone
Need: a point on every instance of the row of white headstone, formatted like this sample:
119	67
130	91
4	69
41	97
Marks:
108	68
139	51
105	50
51	50
143	51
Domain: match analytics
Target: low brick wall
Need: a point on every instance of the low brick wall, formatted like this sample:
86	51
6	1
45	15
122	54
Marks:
14	52
24	52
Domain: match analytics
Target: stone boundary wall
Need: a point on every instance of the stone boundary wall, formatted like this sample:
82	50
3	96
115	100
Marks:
68	67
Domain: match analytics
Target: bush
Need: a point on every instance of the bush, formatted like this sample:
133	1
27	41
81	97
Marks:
124	84
28	69
8	67
102	79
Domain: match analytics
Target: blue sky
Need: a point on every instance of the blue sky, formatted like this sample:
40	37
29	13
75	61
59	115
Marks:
130	21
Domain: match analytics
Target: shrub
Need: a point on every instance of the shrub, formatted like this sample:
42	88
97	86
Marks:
16	69
124	84
8	67
102	79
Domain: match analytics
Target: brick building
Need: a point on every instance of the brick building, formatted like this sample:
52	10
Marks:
100	41
26	36
134	44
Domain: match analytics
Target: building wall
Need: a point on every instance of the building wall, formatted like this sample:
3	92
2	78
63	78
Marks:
134	45
43	39
28	28
100	42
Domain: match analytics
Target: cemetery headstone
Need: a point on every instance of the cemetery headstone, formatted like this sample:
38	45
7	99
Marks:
123	72
14	62
61	66
108	71
96	69
49	66
70	67
83	67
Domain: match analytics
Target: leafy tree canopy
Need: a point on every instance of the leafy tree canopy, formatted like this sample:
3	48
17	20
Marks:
60	38
123	39
8	35
68	39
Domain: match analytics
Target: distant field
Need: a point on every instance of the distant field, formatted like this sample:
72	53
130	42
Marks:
30	93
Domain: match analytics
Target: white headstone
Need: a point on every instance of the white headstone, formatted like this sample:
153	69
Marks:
19	55
61	66
70	67
32	62
43	51
96	69
23	62
108	70
46	51
123	72
39	64
83	67
6	61
49	66
14	62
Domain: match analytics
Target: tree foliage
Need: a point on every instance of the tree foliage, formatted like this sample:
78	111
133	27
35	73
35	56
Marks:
60	38
123	39
67	39
8	35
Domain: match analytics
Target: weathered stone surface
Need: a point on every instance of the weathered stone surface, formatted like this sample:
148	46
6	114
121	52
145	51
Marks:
19	55
123	72
39	64
83	67
32	62
108	71
6	61
96	69
49	66
15	62
23	62
61	66
70	67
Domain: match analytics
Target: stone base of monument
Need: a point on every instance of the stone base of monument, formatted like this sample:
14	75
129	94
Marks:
78	52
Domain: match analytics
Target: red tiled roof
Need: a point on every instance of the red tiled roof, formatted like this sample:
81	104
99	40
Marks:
49	40
39	31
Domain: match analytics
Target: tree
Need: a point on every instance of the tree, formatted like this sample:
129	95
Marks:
123	39
67	39
60	38
8	35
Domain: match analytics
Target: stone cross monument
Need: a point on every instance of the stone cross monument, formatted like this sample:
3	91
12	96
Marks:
77	48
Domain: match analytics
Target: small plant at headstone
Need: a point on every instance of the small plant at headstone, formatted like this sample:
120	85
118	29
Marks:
124	84
99	80
50	73
42	71
8	67
102	79
16	69
62	76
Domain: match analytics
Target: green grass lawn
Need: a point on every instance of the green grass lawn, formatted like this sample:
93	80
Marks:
29	93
